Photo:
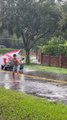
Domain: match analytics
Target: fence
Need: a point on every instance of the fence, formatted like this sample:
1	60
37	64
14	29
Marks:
58	61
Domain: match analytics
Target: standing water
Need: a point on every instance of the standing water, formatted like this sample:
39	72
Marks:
51	91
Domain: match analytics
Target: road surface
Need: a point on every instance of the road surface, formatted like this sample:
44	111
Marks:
26	84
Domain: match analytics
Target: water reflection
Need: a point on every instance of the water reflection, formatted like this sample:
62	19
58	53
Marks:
47	90
7	85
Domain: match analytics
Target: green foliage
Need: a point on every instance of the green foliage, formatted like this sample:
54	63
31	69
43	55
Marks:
10	40
56	46
63	20
5	50
29	19
54	49
18	106
32	20
56	40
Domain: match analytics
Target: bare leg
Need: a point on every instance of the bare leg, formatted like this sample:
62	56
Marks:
18	75
13	75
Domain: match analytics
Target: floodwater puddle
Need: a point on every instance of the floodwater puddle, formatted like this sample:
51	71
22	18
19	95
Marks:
49	90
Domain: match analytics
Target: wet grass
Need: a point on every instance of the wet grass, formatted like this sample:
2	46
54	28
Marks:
44	68
17	106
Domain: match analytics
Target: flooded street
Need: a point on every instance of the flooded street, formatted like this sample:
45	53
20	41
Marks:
43	89
40	88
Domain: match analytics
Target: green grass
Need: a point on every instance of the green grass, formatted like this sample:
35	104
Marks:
18	106
47	68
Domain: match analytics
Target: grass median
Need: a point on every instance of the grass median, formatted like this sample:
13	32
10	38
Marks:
43	68
18	106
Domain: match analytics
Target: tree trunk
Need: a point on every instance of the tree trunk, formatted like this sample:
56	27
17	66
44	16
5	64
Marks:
25	42
28	57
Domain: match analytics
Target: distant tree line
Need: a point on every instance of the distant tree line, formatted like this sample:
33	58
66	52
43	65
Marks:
10	41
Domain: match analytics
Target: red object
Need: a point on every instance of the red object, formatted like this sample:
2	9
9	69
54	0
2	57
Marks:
4	59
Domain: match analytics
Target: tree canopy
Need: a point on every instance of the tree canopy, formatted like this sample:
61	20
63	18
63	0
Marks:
30	19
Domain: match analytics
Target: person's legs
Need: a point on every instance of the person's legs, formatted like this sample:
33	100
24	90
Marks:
18	70
13	75
14	69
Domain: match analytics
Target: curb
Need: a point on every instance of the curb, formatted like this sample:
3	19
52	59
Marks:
39	78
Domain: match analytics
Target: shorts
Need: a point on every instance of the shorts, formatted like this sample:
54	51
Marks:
16	68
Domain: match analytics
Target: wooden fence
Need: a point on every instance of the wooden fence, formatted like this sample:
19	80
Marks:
58	61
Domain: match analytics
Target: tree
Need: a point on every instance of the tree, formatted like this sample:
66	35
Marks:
5	39
56	40
61	5
63	20
29	19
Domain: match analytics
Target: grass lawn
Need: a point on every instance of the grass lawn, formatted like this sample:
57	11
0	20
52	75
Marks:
46	68
18	106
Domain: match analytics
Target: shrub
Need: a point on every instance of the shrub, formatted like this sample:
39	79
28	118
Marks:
5	50
56	46
54	49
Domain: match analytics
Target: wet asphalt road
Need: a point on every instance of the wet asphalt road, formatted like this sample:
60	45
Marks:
51	91
43	89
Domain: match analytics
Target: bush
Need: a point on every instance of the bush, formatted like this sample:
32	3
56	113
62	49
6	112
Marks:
54	49
56	40
55	46
5	50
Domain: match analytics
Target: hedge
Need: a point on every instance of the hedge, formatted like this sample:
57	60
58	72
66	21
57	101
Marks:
54	49
5	50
